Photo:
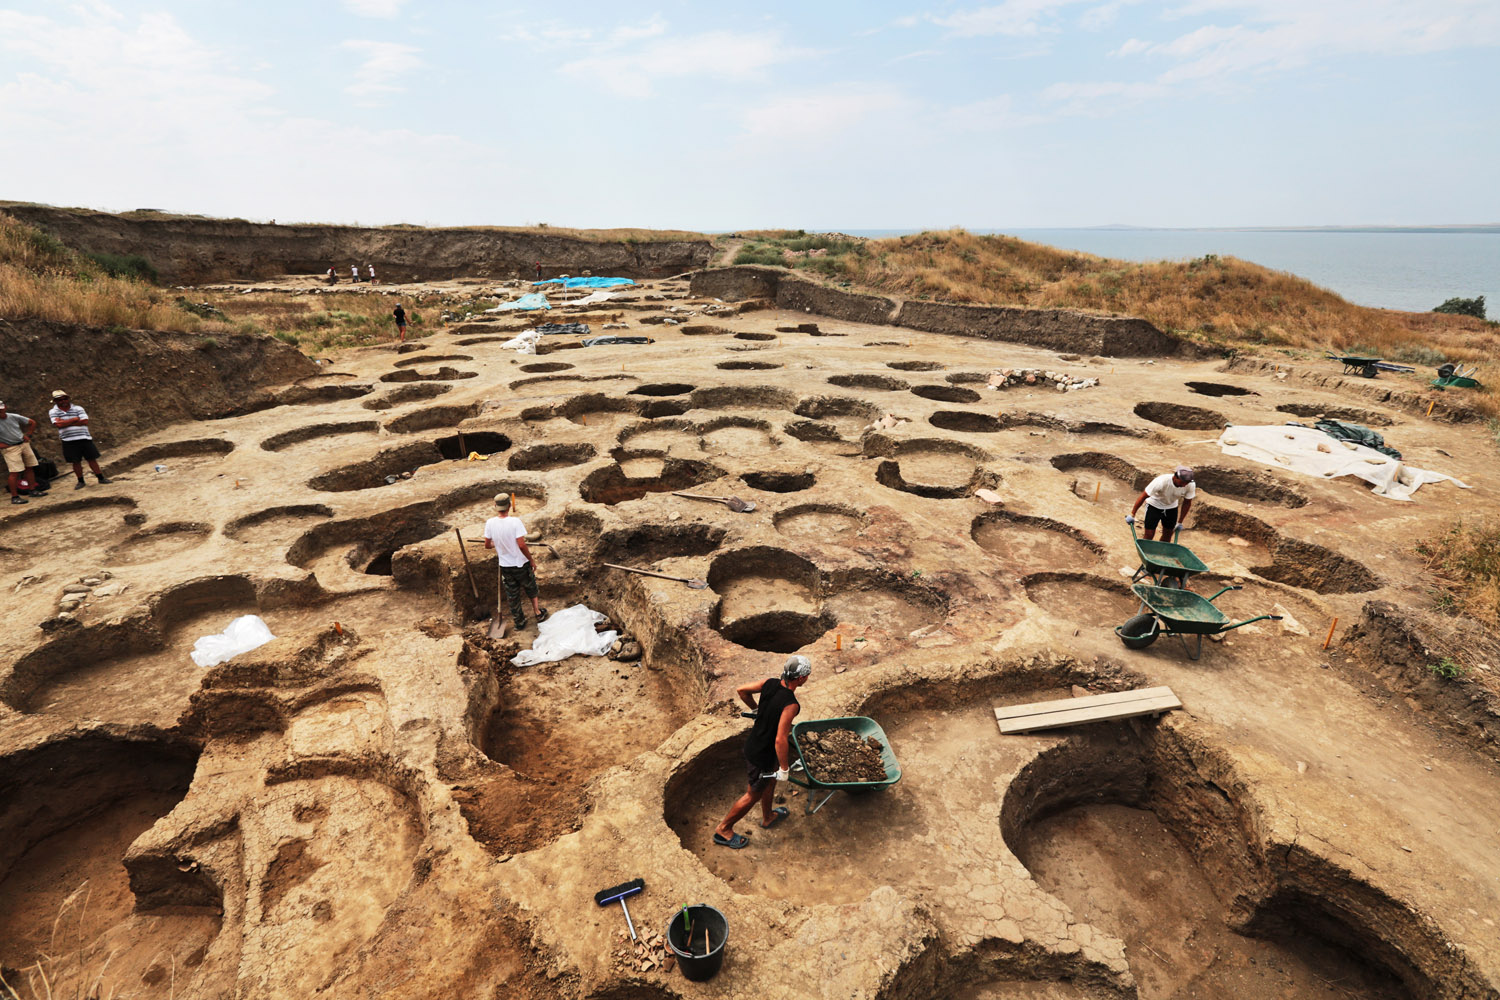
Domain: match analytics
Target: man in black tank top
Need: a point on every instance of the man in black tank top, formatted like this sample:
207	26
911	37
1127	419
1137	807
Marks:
768	749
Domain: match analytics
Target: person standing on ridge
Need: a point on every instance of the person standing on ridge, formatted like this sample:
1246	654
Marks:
538	270
20	461
354	273
370	270
72	424
768	749
507	536
1161	497
400	315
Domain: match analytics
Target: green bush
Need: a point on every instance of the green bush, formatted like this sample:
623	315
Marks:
770	256
288	338
1447	668
207	344
1463	307
131	265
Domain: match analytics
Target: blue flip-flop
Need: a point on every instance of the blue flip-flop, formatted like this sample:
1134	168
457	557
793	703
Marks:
777	815
735	842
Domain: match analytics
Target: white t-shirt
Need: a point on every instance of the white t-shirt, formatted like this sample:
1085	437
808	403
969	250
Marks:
72	432
503	532
1163	494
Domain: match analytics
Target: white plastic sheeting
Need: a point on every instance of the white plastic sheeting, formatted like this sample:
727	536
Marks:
243	634
1313	453
523	344
567	633
588	300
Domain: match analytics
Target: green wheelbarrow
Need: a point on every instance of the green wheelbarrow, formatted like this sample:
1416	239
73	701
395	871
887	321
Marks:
806	777
1170	611
1165	564
1451	376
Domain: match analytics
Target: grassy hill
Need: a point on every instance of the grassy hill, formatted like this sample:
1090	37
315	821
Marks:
1220	301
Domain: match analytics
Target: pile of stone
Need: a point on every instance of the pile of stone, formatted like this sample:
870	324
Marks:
649	952
75	595
1007	378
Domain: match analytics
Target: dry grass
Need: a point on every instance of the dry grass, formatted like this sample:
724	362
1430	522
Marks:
1220	301
316	323
42	279
1466	559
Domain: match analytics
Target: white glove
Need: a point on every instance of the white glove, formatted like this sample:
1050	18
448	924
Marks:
1129	518
783	774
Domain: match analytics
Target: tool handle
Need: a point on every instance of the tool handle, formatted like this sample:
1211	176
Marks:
699	496
647	572
628	922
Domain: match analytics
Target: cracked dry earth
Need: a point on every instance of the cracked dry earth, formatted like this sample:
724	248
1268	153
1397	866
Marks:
374	805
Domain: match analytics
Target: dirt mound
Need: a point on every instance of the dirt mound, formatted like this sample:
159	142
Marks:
839	756
120	384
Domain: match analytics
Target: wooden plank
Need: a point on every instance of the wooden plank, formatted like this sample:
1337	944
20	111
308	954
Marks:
1099	713
1062	704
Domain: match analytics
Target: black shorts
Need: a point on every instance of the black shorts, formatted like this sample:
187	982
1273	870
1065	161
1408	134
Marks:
77	451
1167	519
759	774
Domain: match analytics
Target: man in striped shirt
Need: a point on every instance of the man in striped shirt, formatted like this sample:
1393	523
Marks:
78	446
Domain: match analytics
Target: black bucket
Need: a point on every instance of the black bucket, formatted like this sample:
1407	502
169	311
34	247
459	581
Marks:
699	961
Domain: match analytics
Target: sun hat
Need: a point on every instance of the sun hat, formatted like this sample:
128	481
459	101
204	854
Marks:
1184	473
795	667
60	394
502	500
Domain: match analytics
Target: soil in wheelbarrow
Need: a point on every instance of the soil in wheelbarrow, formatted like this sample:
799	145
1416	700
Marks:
839	756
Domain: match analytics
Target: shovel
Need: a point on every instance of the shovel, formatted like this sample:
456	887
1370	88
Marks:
733	503
694	584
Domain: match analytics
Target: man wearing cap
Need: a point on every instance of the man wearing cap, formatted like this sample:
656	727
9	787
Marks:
78	446
768	748
507	536
1161	497
20	460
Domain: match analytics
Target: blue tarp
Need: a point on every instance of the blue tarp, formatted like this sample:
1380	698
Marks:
585	282
531	300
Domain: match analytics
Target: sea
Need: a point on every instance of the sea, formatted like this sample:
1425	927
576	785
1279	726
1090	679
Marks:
1412	270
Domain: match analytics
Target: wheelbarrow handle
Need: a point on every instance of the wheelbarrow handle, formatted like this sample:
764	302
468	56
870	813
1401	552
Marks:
1223	592
1247	621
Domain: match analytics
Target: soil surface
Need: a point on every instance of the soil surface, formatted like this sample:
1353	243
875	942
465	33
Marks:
378	803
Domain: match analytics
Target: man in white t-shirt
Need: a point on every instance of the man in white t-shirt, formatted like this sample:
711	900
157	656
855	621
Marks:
507	536
1162	496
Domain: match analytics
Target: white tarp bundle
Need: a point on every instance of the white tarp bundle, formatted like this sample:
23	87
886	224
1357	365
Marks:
525	343
240	636
587	300
565	633
1311	452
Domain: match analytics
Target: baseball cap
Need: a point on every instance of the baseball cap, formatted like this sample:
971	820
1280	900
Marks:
1184	473
59	393
796	666
502	500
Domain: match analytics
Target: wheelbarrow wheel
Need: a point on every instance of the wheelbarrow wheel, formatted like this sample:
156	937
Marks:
1139	632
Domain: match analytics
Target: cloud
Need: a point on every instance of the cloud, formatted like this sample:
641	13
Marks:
633	70
1013	18
374	8
812	117
988	115
384	64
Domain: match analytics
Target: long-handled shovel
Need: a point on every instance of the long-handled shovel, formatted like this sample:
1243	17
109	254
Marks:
733	503
695	584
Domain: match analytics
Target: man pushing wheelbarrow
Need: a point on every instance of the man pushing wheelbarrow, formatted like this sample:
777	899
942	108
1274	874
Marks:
1162	496
768	749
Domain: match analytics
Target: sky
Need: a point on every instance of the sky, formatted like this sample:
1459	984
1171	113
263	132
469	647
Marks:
823	115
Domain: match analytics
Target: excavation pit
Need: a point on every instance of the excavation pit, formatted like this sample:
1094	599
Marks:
1250	487
432	417
746	366
934	468
66	529
1107	478
777	631
946	393
373	472
779	482
1186	418
915	366
547	457
663	389
1026	542
613	485
443	374
405	394
177	454
317	432
276	524
736	436
965	422
1349	414
462	444
820	521
883	383
546	366
755	336
651	543
753	581
1081	598
428	359
162	541
1219	389
72	809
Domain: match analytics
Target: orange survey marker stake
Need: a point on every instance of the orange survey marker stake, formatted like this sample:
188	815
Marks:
1430	406
513	503
838	641
1096	490
583	418
1330	633
338	628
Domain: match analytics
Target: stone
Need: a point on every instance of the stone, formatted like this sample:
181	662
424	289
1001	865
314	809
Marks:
77	588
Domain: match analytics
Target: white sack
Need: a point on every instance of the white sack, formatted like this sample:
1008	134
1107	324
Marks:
523	344
1296	448
242	635
599	296
565	633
